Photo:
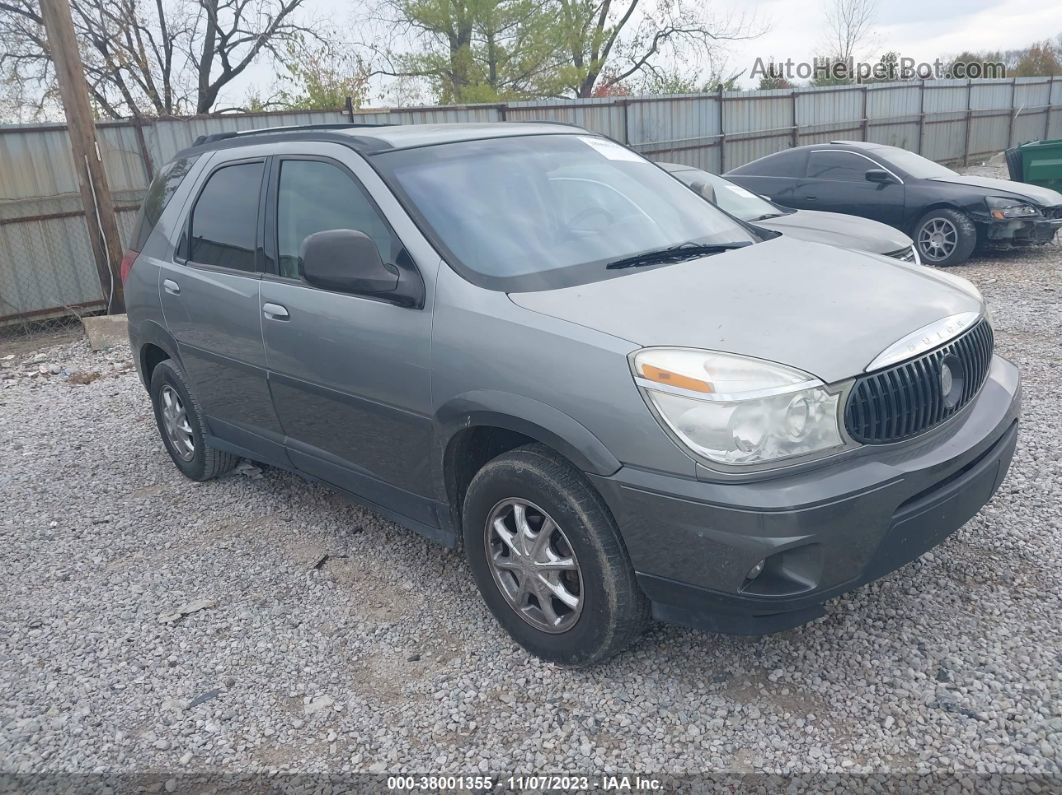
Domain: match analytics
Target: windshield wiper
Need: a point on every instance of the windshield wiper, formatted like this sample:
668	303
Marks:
765	217
677	253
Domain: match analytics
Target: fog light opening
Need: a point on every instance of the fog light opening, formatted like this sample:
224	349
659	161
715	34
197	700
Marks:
755	571
786	573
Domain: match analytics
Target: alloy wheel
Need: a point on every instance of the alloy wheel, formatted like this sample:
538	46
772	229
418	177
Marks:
937	239
175	423
534	565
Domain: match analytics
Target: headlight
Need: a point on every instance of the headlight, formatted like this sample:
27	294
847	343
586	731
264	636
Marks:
1002	208
735	410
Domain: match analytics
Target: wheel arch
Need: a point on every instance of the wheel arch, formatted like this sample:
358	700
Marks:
939	204
480	426
153	344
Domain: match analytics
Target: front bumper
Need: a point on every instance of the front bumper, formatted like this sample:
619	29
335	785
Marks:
1022	231
822	531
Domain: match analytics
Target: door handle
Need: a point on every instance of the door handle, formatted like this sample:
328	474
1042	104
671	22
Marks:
275	312
811	198
170	286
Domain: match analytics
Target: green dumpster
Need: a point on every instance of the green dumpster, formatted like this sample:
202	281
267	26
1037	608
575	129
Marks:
1037	163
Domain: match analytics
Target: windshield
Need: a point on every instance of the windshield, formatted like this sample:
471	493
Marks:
745	204
546	211
914	165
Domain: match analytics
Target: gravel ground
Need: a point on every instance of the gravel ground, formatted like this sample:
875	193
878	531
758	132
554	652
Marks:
382	656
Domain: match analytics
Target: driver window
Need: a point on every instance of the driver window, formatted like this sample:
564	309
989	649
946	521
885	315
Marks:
313	196
838	166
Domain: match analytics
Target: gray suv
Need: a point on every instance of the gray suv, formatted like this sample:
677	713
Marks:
527	341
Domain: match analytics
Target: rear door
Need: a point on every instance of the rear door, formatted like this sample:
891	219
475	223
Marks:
210	300
836	182
349	374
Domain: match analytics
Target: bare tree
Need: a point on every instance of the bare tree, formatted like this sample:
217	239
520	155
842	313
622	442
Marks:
150	57
234	33
848	26
609	41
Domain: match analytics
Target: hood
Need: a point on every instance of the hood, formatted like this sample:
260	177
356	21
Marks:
825	310
837	229
1042	196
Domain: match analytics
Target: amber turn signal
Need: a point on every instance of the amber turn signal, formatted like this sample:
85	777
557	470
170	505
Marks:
662	376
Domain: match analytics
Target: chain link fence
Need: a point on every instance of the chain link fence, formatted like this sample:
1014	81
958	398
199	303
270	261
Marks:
48	278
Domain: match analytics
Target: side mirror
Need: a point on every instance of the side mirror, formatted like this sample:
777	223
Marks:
705	190
879	175
347	261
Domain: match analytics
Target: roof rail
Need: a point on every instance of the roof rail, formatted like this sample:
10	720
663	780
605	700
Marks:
548	121
222	136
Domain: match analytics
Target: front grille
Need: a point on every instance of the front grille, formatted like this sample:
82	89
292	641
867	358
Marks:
909	398
906	254
1052	212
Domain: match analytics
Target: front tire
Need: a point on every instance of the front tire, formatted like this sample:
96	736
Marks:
548	559
945	237
182	426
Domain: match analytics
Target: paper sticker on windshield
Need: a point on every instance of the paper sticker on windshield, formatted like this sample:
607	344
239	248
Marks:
740	191
611	150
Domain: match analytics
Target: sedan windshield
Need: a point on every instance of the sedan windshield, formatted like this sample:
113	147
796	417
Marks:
914	165
545	211
745	204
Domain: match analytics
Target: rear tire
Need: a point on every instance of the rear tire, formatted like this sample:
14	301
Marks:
945	237
182	426
579	601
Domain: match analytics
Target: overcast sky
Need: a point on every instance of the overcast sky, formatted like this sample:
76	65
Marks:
920	29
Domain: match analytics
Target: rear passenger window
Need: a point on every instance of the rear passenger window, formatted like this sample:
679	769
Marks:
314	196
840	166
225	218
158	196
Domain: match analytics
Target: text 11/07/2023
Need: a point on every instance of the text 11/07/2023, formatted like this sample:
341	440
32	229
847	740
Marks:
523	783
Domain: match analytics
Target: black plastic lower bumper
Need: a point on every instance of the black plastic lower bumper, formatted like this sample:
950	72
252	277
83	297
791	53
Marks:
915	529
1017	232
821	532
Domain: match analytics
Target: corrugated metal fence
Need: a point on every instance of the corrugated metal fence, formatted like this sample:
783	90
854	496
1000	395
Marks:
46	265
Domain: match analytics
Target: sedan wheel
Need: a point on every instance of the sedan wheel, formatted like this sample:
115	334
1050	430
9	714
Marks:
945	237
938	238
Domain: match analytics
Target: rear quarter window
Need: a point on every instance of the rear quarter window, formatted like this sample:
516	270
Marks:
159	193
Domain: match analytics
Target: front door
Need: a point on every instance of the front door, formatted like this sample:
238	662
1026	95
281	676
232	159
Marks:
836	182
210	298
349	375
